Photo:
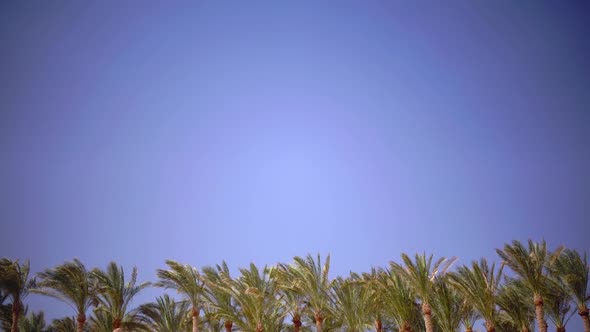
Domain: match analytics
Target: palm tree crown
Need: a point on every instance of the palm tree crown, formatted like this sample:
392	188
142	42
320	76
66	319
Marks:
187	281
573	271
531	264
375	304
15	284
516	309
420	275
257	298
310	279
70	283
352	303
399	300
218	299
480	286
165	315
114	294
447	306
66	324
34	322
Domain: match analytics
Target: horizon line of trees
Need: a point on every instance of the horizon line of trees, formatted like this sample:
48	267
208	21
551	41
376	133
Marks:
418	294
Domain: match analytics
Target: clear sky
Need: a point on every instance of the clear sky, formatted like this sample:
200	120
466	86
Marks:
256	131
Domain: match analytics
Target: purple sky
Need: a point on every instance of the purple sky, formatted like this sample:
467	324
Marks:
256	131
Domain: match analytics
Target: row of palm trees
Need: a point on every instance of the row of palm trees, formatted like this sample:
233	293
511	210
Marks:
418	294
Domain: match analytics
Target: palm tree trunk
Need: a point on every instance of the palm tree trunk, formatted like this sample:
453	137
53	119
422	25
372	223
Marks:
318	321
427	313
117	325
379	325
195	319
490	327
318	326
81	321
407	327
560	329
296	323
16	306
540	313
228	325
584	315
259	327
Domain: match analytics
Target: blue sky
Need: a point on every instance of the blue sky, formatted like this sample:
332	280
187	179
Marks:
256	131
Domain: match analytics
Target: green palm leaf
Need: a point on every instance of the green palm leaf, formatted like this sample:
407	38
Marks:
165	315
15	285
480	285
69	283
114	294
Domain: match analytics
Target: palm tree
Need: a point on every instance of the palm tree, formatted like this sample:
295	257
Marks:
165	315
6	318
210	321
558	307
399	300
376	308
66	324
351	303
34	322
420	275
257	299
70	283
573	271
15	284
187	281
480	285
468	315
101	321
215	297
516	309
530	264
5	313
293	299
293	303
114	294
447	306
310	279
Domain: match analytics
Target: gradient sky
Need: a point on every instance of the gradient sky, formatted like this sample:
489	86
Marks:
256	131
